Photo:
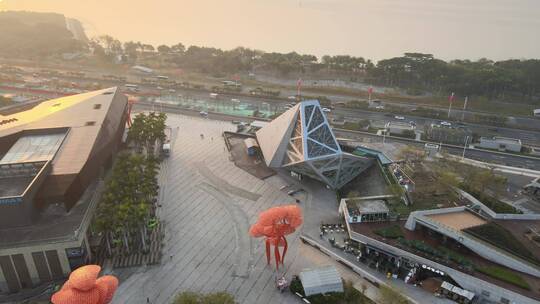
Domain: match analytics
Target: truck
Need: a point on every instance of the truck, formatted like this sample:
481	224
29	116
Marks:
166	147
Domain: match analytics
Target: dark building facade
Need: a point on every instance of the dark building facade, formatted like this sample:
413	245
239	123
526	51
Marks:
51	158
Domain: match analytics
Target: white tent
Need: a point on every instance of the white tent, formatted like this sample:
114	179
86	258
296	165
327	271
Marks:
321	280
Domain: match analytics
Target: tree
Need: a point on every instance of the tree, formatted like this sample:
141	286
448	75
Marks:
197	298
411	154
163	49
178	48
363	123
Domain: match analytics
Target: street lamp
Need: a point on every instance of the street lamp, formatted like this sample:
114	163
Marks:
465	147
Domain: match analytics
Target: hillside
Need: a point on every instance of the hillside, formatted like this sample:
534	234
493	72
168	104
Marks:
35	34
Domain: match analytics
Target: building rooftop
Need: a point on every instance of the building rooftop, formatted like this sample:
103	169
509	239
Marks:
502	139
367	205
85	115
31	148
458	220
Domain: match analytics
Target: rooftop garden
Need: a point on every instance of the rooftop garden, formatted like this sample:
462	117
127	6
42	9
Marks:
450	256
503	239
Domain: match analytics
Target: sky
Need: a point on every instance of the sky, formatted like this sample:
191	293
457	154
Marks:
375	29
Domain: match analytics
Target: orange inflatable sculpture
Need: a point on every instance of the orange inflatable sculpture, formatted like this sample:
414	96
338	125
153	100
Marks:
84	287
274	224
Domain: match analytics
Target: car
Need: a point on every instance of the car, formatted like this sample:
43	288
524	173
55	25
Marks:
399	117
326	110
445	123
379	107
412	123
235	100
291	97
203	113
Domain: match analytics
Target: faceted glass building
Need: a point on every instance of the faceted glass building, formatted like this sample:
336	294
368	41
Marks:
301	140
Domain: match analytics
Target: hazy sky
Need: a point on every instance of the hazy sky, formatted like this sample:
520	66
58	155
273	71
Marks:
497	29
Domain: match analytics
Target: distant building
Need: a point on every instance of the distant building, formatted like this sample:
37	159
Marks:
448	134
399	128
321	280
51	159
500	143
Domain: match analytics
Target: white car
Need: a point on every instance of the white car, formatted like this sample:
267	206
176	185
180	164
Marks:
446	124
203	113
399	117
326	110
292	97
235	100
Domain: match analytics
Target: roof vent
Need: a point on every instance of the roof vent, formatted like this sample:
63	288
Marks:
6	121
90	123
97	106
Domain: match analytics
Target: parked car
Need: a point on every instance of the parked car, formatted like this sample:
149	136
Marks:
446	124
326	110
203	113
399	117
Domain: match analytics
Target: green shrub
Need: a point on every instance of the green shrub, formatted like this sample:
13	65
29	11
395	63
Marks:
198	298
392	232
504	275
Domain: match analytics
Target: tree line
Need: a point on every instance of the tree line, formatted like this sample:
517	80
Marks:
418	73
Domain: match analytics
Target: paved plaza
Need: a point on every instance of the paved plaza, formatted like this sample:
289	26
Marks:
208	205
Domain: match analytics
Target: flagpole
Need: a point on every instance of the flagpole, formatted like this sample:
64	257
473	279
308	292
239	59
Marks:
464	108
450	104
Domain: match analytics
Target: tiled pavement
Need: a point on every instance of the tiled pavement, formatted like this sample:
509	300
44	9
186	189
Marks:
206	248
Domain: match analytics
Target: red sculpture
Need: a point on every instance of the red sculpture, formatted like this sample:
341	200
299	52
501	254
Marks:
84	287
274	224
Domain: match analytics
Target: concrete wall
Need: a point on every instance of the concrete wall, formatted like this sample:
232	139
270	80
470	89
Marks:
27	251
469	282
